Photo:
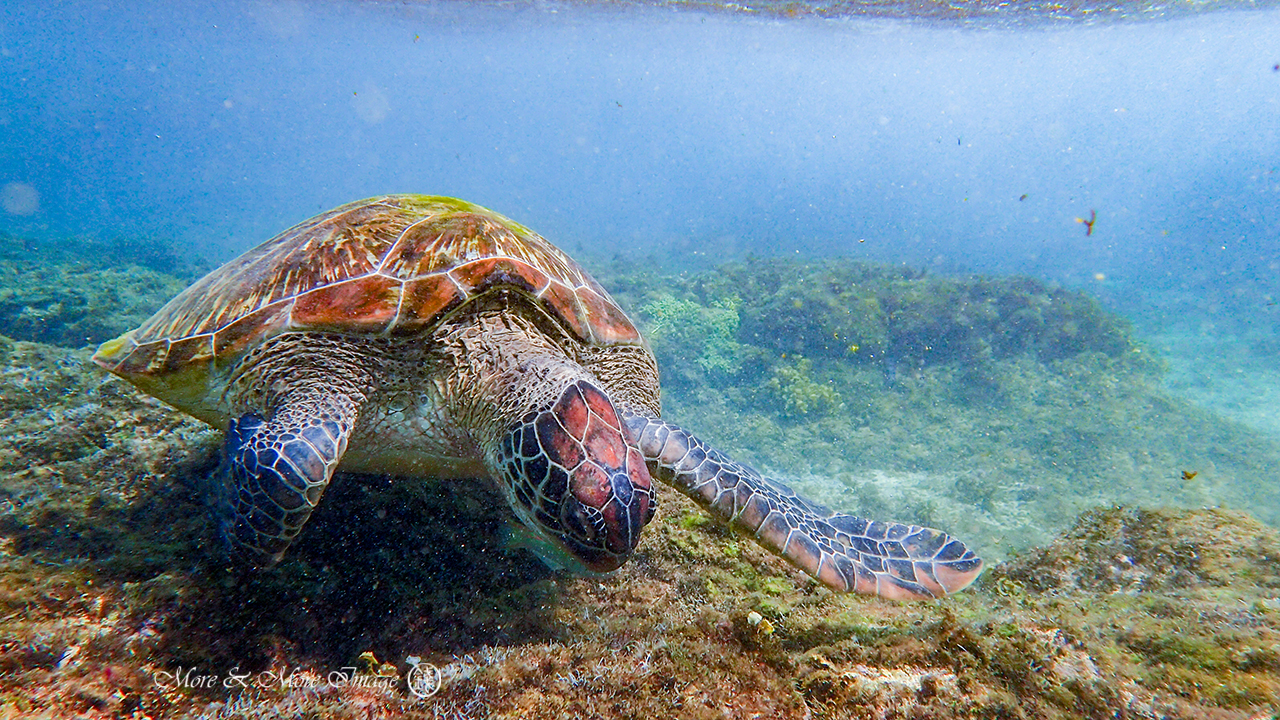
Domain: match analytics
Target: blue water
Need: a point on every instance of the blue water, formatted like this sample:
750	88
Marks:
964	137
653	130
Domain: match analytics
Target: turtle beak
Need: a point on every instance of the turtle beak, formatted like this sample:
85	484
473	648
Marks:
603	535
577	480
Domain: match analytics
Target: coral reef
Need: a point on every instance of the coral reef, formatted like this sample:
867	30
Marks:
82	293
796	394
1033	408
706	334
1000	407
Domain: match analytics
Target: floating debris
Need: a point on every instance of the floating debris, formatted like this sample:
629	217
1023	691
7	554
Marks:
1088	224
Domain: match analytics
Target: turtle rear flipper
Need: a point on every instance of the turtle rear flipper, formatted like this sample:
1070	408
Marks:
848	553
274	472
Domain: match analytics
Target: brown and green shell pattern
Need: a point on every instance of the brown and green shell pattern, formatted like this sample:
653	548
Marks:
387	266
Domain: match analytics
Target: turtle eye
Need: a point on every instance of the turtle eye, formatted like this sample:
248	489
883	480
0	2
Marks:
652	508
585	523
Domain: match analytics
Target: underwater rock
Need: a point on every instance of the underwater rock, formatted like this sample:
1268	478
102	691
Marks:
864	312
110	592
78	306
77	293
1133	550
111	586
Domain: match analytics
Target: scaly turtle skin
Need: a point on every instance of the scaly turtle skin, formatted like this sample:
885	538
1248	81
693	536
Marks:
429	337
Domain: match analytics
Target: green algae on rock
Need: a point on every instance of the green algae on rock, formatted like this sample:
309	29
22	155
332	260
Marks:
1122	549
707	334
107	581
795	393
674	638
998	407
94	633
864	312
83	293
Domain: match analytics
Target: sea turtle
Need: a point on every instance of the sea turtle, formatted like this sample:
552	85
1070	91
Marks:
428	337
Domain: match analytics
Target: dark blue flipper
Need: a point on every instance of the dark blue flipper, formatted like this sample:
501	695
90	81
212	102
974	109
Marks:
273	474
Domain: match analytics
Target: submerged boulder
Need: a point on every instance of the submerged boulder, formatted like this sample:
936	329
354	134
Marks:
1131	550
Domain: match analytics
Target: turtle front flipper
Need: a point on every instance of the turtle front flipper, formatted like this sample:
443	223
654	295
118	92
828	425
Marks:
902	562
274	472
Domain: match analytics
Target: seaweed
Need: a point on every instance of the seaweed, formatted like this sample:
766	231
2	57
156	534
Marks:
706	336
794	393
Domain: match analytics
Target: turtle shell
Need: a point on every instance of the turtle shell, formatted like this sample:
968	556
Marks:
387	266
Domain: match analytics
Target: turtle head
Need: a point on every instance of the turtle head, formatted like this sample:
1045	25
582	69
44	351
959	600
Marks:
574	480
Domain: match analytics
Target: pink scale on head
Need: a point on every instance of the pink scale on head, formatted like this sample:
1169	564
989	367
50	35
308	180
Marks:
604	444
636	469
601	407
560	447
590	485
572	413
